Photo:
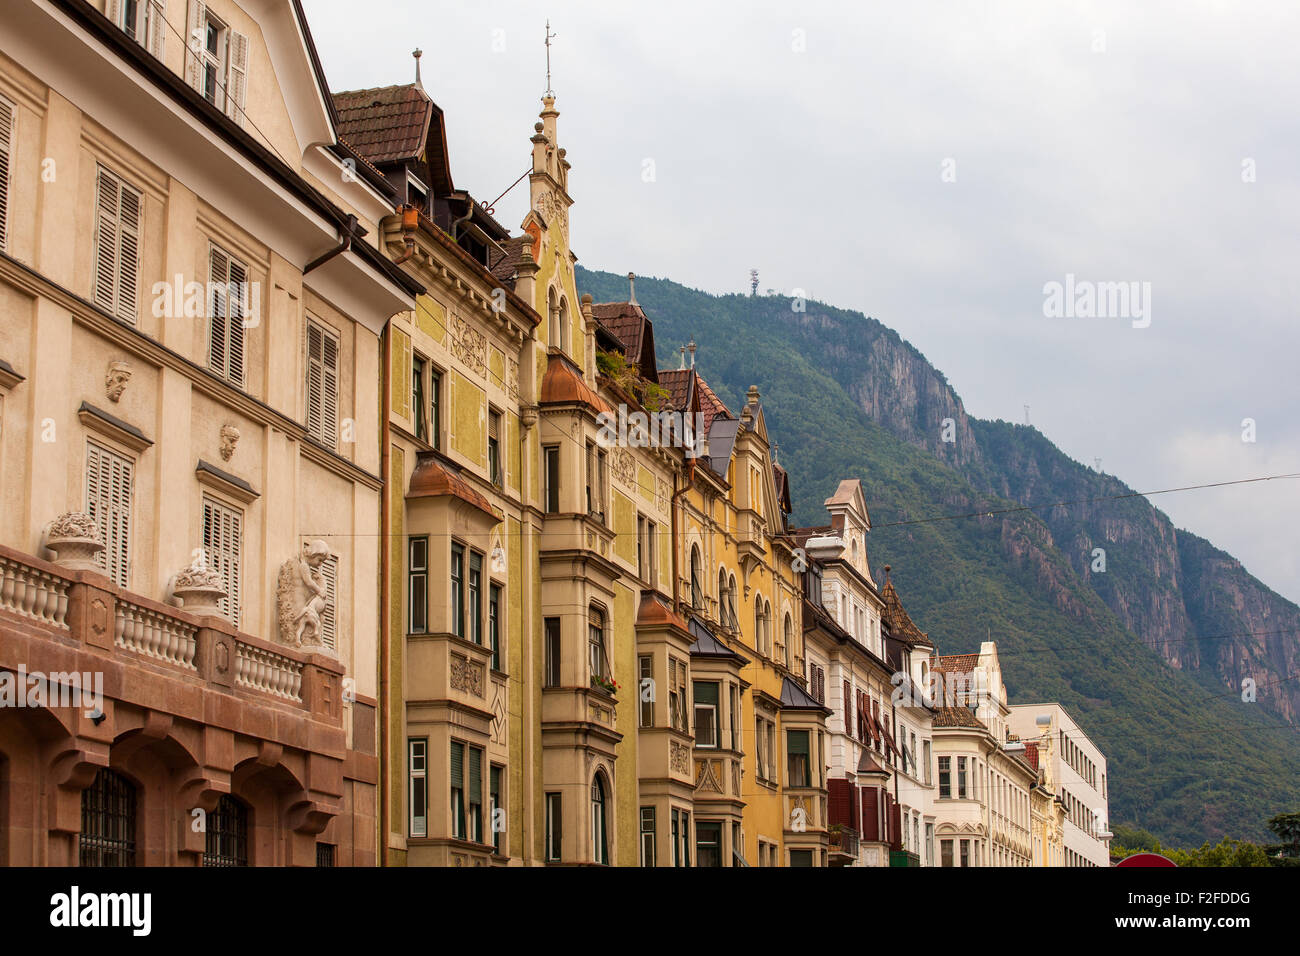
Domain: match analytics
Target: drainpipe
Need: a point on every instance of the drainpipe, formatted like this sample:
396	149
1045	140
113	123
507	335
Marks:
345	243
410	223
385	580
455	226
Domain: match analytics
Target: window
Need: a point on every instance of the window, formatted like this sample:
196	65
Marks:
457	780
848	708
417	398
496	820
595	482
965	853
708	844
476	794
945	778
552	477
554	827
735	717
217	61
109	478
645	691
706	713
647	836
697	586
494	447
108	821
945	850
329	631
417	583
681	831
817	683
551	627
435	408
457	590
227	310
494	624
475	599
322	385
925	750
596	641
226	841
599	844
417	761
796	749
677	694
118	214
788	630
801	858
961	778
7	117
647	564
929	844
222	548
144	21
325	854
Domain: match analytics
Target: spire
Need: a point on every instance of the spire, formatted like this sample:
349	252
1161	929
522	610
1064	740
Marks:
682	365
690	347
631	289
549	37
417	54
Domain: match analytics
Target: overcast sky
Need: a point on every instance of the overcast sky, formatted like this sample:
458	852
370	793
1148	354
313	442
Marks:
935	165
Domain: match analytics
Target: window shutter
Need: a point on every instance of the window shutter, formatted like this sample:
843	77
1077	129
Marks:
7	114
330	393
114	13
475	775
128	266
117	246
329	626
108	501
238	296
194	43
108	194
315	373
237	85
218	272
457	765
157	27
222	540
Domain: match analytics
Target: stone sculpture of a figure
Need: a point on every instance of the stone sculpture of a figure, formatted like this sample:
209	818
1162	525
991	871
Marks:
302	597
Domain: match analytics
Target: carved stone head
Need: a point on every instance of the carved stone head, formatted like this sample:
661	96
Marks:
316	553
229	438
119	373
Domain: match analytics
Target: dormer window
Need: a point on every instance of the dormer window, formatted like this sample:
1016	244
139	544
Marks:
217	61
417	193
143	21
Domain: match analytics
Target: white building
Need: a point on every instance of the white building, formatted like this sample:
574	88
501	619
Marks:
1078	768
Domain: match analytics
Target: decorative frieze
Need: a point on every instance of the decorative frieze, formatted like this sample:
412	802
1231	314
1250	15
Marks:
466	675
469	345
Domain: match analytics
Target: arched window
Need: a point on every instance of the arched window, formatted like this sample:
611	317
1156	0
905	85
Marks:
108	809
553	313
564	323
599	843
731	602
227	836
697	582
788	633
596	640
722	596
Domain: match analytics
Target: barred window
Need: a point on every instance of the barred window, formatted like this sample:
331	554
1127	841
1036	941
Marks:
227	834
108	810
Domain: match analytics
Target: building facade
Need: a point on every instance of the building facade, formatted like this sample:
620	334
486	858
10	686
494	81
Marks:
193	303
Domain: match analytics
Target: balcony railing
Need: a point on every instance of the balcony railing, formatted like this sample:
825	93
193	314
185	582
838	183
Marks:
844	842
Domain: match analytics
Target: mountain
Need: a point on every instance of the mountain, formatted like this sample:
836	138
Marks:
1148	655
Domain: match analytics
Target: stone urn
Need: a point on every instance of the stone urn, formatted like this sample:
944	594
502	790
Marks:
199	587
75	540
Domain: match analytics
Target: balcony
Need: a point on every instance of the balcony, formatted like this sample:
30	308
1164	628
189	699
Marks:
48	612
843	845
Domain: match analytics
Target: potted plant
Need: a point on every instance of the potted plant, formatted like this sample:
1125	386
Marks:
606	684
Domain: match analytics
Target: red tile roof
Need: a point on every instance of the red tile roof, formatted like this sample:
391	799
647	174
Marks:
957	662
710	405
387	123
900	622
678	383
1031	755
957	717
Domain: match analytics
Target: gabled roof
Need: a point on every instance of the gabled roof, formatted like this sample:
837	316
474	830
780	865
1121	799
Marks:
635	332
396	124
899	621
794	697
680	383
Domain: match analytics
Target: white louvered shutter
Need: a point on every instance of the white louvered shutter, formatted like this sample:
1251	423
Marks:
6	150
108	501
156	28
238	312
195	25
322	386
227	300
117	246
237	83
222	543
114	13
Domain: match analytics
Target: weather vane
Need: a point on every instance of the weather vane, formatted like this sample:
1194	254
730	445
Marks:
549	37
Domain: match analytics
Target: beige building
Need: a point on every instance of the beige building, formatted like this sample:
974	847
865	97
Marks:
192	302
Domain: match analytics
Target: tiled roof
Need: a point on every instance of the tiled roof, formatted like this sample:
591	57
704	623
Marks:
678	383
794	697
503	267
626	321
960	663
1031	755
899	621
653	612
710	404
433	478
387	123
957	717
782	487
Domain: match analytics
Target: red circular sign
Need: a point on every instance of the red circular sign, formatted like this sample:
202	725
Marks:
1146	859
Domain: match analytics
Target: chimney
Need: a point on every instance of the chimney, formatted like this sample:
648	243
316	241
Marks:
417	54
631	289
690	347
682	365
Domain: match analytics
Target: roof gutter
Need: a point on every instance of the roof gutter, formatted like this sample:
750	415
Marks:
348	229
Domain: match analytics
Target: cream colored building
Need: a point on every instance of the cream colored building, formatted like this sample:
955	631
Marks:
192	302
